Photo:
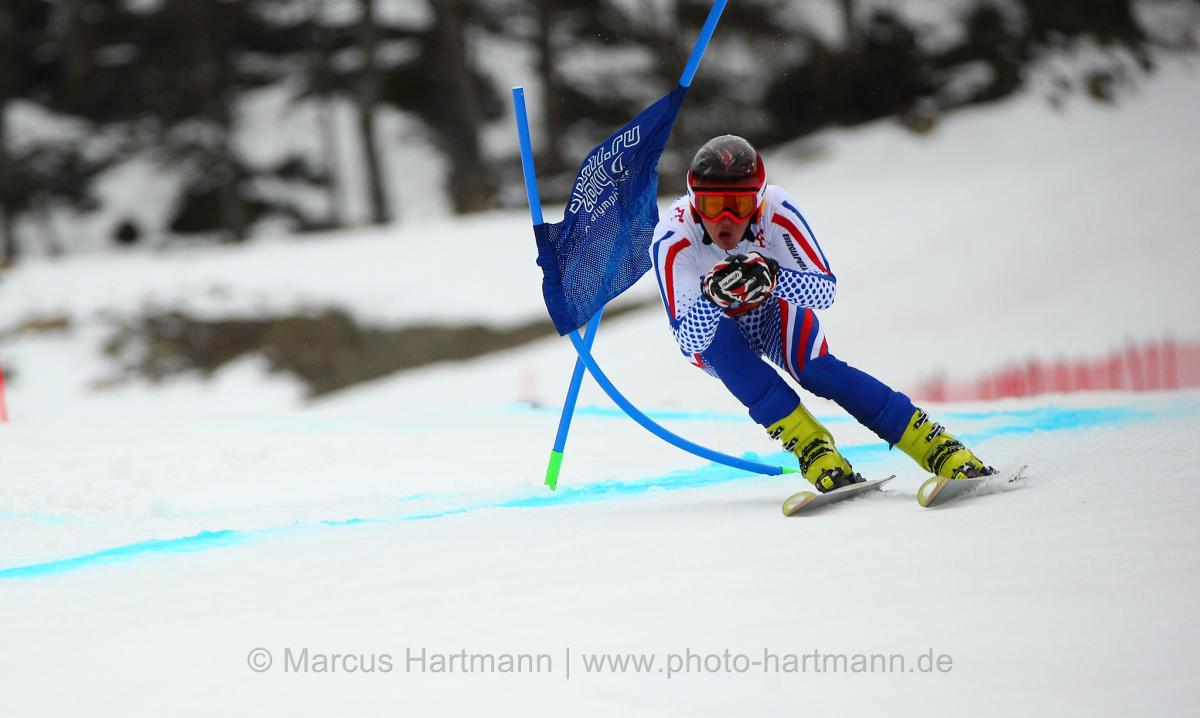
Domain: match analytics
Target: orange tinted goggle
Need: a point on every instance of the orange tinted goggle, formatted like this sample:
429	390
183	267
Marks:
739	205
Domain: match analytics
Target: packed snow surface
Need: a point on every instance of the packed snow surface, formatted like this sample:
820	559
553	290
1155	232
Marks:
176	549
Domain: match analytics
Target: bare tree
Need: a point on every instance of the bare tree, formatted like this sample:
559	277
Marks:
850	22
75	49
470	185
214	83
320	52
367	96
8	239
552	87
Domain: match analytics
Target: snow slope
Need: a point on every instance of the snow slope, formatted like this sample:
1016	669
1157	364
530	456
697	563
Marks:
1067	592
1069	232
152	537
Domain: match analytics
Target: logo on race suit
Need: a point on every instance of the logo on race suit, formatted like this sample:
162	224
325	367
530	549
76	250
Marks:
595	179
791	245
760	237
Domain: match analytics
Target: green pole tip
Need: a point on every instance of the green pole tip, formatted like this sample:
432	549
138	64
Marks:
552	469
790	470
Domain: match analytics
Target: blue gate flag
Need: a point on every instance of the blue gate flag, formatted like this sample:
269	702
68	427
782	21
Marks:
601	247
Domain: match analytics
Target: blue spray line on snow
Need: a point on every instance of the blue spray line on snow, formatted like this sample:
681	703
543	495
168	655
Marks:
865	455
40	518
199	542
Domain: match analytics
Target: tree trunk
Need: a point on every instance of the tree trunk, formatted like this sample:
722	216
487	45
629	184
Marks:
672	55
850	23
469	184
322	79
8	238
75	51
55	247
552	89
233	207
1107	20
214	81
368	99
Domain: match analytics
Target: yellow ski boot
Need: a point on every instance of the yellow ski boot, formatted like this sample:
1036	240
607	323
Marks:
820	461
938	452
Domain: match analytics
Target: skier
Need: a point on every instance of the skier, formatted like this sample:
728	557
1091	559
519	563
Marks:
740	274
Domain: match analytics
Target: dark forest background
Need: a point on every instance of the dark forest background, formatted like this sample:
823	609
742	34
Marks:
164	78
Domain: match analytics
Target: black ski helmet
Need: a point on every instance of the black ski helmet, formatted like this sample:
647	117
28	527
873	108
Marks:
727	161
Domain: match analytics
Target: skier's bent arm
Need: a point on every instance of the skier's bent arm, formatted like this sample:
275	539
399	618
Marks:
696	327
697	323
693	318
806	289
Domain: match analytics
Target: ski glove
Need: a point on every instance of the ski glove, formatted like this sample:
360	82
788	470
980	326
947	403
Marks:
741	281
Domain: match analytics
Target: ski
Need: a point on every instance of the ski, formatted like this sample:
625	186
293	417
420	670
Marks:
807	500
938	490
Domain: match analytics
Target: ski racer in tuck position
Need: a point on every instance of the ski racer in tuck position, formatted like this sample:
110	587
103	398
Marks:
740	274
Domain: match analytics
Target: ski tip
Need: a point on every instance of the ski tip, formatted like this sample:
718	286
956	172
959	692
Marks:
807	499
795	502
939	490
930	489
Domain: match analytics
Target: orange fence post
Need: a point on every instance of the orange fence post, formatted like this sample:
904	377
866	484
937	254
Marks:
3	404
1114	372
1156	365
1170	363
1137	366
1062	376
1153	367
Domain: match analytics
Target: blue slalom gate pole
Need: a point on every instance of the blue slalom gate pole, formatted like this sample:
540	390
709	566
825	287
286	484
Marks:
582	345
532	193
568	411
564	423
706	33
648	424
554	465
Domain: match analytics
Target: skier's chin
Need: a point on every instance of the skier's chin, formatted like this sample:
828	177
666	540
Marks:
726	240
